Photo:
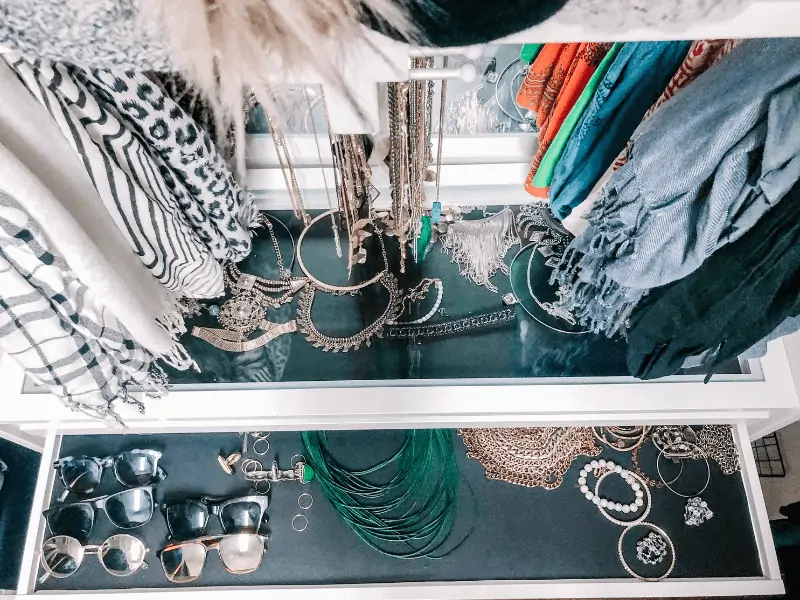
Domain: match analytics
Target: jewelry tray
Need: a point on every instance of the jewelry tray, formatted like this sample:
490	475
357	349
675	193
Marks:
521	350
519	533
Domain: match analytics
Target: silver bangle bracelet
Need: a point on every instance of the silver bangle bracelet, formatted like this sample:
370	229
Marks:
700	453
660	532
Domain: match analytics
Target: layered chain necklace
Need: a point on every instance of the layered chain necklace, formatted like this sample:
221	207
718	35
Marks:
529	456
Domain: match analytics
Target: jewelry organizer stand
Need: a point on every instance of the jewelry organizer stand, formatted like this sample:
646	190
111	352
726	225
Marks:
477	170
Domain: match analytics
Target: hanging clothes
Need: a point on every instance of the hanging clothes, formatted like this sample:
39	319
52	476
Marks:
531	92
702	55
544	174
702	170
529	52
59	331
159	175
555	85
585	61
634	81
46	177
739	295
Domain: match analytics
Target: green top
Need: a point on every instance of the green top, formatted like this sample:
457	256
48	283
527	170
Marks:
529	52
544	176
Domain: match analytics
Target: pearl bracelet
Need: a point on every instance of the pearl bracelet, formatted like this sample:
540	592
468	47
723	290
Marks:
637	484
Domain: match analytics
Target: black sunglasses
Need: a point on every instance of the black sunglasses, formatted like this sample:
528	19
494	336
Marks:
188	519
134	468
127	509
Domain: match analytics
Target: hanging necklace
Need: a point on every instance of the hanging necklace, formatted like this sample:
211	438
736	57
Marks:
344	344
334	226
479	246
244	313
287	169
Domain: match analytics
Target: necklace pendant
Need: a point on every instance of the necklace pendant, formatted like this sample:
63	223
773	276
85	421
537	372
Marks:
244	312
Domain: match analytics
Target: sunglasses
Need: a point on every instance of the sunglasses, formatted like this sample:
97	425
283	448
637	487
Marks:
121	555
127	509
240	553
135	468
188	519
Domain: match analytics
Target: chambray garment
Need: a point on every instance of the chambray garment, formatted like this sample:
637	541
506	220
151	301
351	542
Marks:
703	169
635	80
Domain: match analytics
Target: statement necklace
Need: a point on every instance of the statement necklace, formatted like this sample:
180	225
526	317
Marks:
245	312
343	344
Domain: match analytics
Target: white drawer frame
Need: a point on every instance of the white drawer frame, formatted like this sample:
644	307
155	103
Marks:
766	399
769	584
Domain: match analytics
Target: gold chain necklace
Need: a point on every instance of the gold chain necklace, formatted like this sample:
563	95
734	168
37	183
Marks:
529	456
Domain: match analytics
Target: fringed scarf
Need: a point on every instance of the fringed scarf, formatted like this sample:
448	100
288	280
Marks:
702	170
59	331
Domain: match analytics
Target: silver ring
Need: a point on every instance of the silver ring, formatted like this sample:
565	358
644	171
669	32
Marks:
258	491
311	501
263	440
299	516
659	531
667	485
257	466
302	459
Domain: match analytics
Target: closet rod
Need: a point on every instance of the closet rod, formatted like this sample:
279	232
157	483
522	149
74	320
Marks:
467	73
471	52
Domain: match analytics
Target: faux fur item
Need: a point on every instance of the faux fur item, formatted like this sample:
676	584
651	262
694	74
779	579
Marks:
227	47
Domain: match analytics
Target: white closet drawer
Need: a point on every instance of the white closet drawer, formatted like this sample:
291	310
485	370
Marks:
763	395
583	562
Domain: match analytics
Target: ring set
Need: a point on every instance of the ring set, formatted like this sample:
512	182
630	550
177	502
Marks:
304	501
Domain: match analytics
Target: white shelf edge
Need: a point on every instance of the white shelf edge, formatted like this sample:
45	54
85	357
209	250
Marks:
469	590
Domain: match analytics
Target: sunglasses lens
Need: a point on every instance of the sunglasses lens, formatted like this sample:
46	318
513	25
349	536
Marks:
241	517
130	509
241	553
183	563
122	555
186	520
73	520
136	468
81	475
61	556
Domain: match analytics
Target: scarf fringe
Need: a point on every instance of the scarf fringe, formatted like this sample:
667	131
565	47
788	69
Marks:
598	301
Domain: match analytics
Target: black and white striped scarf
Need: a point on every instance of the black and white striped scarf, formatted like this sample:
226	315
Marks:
159	175
59	331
